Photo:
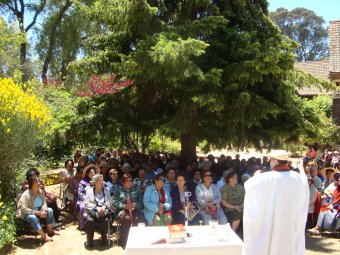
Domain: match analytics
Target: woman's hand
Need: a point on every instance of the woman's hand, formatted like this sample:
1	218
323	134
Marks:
42	214
238	208
160	208
101	210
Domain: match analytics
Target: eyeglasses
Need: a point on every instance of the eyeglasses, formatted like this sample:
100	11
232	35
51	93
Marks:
207	175
113	173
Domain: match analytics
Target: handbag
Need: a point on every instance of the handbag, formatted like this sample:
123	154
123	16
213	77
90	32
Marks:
97	217
210	210
192	213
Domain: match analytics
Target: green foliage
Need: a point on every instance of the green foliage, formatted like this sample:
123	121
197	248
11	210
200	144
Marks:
322	129
7	223
9	49
305	27
63	106
162	143
297	150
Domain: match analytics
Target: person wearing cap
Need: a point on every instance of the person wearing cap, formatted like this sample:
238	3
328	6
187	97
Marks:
275	209
329	210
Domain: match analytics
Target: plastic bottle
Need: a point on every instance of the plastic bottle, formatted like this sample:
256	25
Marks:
228	231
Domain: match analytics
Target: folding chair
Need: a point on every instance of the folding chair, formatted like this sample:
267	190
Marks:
108	234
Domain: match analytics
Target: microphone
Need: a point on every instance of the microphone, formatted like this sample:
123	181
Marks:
187	193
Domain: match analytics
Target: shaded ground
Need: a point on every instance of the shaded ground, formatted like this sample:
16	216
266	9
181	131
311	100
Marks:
71	242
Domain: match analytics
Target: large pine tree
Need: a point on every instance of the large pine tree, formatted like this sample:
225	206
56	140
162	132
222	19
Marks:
203	70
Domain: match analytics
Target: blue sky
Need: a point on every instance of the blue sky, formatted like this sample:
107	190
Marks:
328	9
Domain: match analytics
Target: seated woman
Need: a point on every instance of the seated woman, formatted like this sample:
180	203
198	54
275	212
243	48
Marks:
74	184
82	187
329	211
178	203
51	200
209	199
157	203
141	182
32	207
97	209
128	201
232	200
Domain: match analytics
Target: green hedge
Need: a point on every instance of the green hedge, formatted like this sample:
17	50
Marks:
7	224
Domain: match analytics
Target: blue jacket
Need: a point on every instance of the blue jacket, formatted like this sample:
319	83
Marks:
151	201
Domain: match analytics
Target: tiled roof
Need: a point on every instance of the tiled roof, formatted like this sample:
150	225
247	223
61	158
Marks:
318	68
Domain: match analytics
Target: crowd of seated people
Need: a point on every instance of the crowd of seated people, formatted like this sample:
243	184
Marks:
152	189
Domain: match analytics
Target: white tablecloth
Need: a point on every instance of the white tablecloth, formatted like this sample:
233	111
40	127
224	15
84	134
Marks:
202	242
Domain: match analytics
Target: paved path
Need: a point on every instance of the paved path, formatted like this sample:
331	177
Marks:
71	242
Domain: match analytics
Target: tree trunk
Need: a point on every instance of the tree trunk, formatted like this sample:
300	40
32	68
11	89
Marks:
23	61
189	138
52	40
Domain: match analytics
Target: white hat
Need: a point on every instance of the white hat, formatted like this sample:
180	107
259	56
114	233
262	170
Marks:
279	155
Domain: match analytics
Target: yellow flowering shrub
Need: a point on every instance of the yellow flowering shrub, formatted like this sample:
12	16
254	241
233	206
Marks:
15	101
23	120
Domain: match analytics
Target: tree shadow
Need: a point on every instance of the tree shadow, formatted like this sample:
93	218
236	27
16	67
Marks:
322	243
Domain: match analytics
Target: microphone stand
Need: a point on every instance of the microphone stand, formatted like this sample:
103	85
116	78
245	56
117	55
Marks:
187	194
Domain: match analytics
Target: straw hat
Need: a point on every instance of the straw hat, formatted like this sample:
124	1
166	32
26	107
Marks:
324	170
279	155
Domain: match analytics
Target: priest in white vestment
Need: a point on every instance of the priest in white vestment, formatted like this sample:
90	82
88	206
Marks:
275	210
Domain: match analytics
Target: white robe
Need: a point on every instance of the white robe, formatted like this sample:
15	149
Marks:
275	213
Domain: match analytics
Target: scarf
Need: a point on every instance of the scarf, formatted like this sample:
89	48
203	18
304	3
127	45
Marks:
281	168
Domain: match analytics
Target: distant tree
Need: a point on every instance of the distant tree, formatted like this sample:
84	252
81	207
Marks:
9	49
26	14
305	27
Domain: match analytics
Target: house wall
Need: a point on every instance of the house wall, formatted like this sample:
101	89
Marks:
334	65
